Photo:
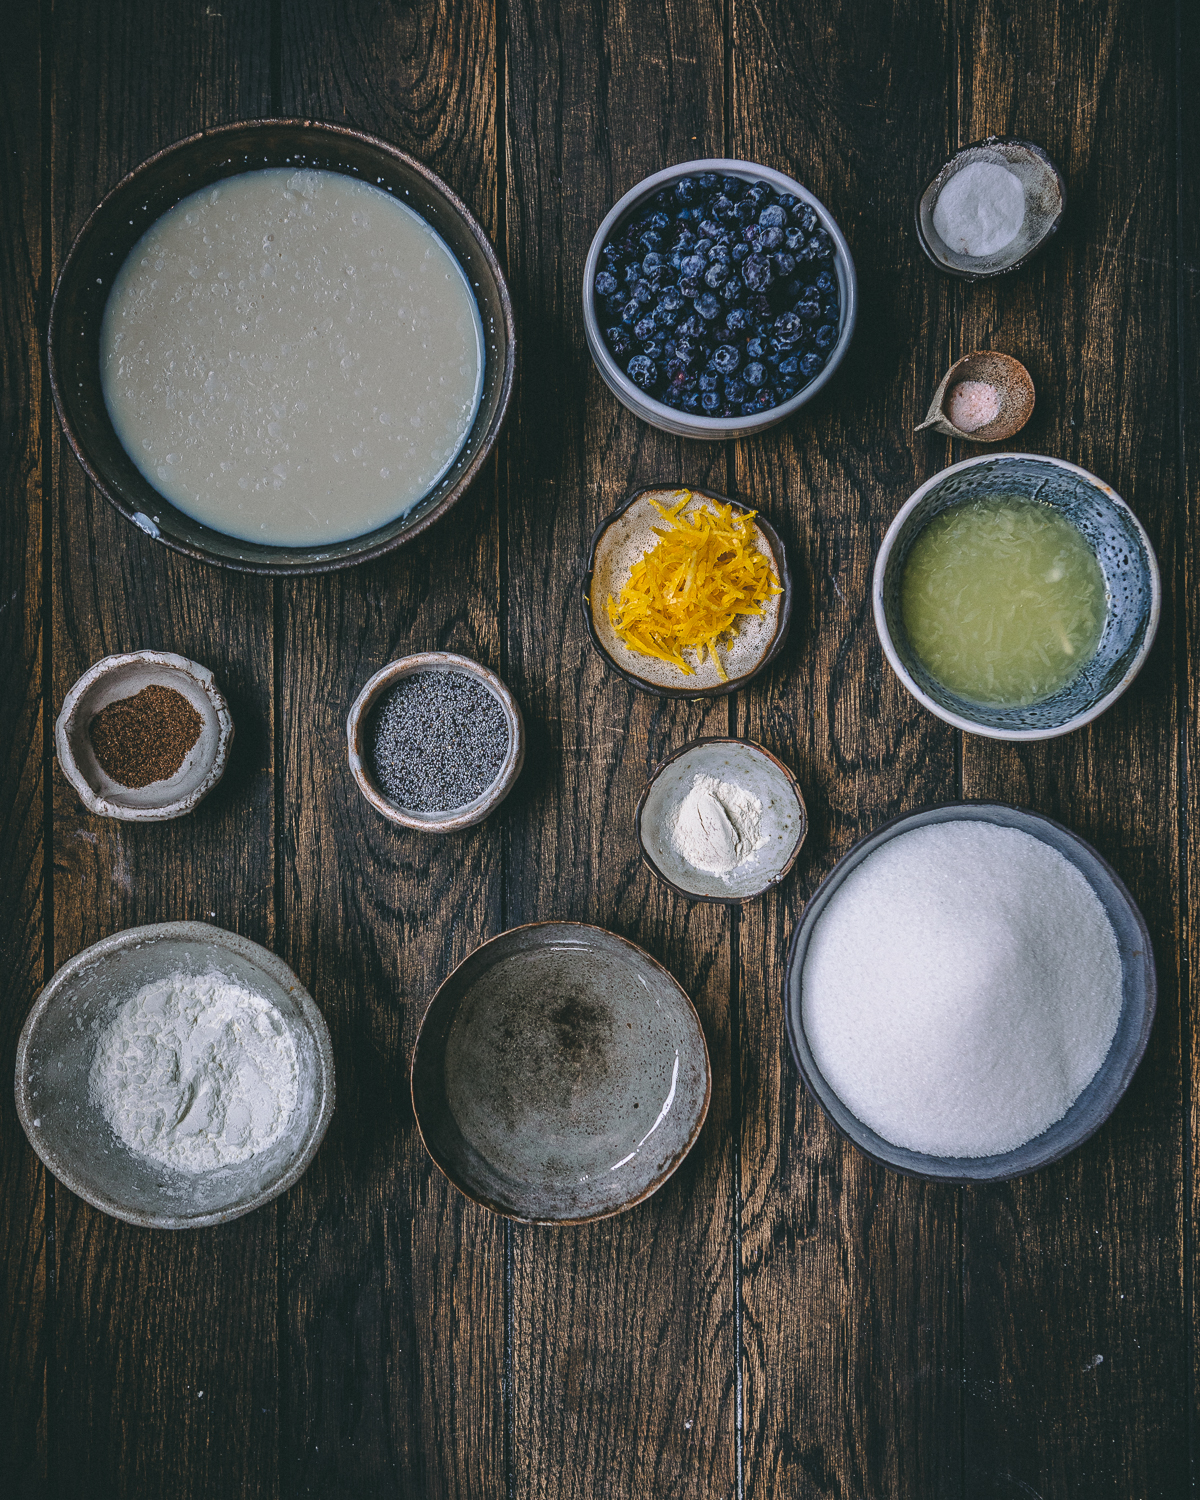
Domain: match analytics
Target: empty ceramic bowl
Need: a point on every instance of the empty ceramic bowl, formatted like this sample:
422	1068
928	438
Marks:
1127	562
360	728
67	1127
118	677
1101	1096
772	832
1012	392
560	1074
620	540
669	418
1045	200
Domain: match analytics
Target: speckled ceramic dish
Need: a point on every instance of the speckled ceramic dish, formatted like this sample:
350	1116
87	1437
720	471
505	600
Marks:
1045	204
560	1074
117	677
784	818
1099	1098
358	733
1126	559
68	1130
1011	382
619	541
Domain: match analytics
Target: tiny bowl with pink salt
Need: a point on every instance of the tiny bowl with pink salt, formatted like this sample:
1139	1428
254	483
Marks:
984	397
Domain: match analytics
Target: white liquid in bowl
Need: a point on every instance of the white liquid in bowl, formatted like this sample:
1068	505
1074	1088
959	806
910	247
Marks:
292	357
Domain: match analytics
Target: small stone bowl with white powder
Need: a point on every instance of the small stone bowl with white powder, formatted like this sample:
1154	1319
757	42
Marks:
991	207
969	993
721	820
175	1075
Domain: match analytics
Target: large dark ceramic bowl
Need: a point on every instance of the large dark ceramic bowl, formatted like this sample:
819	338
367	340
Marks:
560	1074
1099	1098
144	196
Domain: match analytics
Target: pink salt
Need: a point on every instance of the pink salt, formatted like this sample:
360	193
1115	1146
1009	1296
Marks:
972	404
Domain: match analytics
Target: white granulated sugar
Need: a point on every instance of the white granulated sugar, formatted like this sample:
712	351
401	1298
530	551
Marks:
717	826
196	1072
961	989
980	210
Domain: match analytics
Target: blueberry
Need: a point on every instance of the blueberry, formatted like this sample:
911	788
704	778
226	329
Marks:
642	372
788	328
786	201
701	248
690	327
687	190
715	275
809	365
686	349
807	219
606	284
754	238
735	389
610	253
783	264
758	192
808	310
676	372
794	239
644	329
733	290
707	181
754	374
651	240
761	401
684	241
772	239
736	321
710	403
642	293
721	254
709	380
671	300
726	359
790	365
707	306
772	217
756	273
689	286
654	350
691	401
755	349
722	210
823	243
631	312
692	267
745	211
739	253
658	221
825	337
733	188
618	340
826	283
711	231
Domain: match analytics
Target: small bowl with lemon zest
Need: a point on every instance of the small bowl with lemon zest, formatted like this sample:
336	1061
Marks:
687	593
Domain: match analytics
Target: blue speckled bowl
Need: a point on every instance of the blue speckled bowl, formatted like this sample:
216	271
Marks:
1130	575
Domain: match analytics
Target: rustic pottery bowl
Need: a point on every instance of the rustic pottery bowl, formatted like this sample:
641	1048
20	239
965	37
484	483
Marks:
117	677
68	1130
784	818
617	543
145	195
560	1075
359	724
1045	203
1008	377
1126	559
1098	1100
684	424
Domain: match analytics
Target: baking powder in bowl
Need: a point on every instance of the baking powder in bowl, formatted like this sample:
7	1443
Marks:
961	989
717	826
195	1071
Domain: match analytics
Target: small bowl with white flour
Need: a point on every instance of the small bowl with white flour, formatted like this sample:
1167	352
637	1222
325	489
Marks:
970	993
721	820
175	1076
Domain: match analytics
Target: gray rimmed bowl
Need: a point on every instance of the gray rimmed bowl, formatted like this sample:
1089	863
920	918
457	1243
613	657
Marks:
68	1130
560	1074
1101	1096
746	765
359	724
1045	203
667	418
622	537
104	242
1126	560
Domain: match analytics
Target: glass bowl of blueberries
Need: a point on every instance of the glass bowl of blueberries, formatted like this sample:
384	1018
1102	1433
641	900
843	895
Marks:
718	297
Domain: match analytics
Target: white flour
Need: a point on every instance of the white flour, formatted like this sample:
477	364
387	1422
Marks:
196	1072
980	210
717	826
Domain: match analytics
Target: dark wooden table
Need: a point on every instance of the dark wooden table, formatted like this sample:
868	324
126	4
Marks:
783	1319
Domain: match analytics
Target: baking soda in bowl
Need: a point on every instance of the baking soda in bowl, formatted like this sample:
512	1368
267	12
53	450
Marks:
961	989
292	357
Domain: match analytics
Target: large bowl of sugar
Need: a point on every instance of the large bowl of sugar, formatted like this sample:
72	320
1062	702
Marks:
282	346
175	1075
969	993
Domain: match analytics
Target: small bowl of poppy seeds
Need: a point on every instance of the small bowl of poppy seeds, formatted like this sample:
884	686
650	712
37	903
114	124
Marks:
144	736
436	742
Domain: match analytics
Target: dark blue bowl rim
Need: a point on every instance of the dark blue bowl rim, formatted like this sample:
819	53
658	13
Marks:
957	1171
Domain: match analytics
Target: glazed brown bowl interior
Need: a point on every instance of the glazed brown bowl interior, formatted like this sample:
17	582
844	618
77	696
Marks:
145	195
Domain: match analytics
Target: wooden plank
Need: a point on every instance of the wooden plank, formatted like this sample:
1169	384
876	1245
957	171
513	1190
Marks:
23	1264
849	1273
165	1371
1074	1336
623	1332
393	1284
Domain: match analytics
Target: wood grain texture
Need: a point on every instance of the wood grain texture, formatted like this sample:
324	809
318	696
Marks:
165	1369
849	1273
1074	1337
623	1336
23	1217
393	1284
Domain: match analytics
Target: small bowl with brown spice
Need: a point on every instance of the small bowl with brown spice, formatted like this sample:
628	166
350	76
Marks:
144	736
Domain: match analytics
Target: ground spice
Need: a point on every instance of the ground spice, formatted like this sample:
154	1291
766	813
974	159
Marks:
437	741
145	738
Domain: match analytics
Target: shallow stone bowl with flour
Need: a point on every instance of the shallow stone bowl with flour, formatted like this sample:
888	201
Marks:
1099	1098
781	819
68	1129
